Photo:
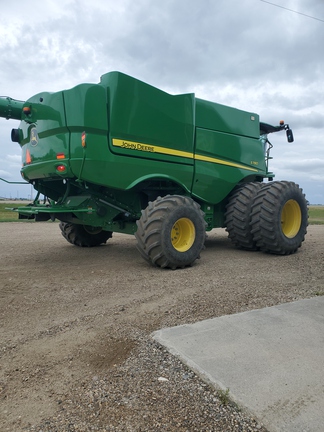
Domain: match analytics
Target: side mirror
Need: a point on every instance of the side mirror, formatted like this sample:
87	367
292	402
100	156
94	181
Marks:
290	136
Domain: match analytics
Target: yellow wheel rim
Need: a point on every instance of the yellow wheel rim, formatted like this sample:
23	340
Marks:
183	234
291	218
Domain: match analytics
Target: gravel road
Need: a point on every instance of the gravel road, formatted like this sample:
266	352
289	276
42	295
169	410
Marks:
75	347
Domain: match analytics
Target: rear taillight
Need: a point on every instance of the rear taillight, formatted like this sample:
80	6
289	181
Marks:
61	168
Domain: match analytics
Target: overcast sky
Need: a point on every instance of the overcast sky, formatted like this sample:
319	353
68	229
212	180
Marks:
248	54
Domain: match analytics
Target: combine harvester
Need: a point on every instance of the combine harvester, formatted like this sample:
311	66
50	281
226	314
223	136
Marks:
123	156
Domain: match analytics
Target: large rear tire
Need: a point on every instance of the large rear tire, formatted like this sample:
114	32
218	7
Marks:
238	215
279	218
171	232
84	236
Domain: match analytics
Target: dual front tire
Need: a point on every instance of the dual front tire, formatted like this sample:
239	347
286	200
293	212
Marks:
279	218
271	217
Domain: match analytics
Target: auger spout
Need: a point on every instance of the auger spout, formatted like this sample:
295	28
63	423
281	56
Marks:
11	108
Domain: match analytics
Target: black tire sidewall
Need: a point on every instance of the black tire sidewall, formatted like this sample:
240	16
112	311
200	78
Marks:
238	215
187	257
77	235
267	217
296	195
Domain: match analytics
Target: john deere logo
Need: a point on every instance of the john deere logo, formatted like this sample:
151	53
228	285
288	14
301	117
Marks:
33	137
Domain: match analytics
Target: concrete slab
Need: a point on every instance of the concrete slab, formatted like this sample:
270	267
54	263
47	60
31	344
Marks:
271	360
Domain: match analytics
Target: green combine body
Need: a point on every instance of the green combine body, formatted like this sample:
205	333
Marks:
123	156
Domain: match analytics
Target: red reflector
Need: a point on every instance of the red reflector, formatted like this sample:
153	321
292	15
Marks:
61	168
28	157
83	139
60	156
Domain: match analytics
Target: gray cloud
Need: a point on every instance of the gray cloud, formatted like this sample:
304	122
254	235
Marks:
247	54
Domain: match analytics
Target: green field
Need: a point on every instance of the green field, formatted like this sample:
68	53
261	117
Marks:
7	215
316	213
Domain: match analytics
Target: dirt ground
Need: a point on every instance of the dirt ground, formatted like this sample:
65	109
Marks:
75	325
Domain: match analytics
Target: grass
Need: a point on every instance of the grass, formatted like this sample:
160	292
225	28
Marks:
224	396
7	215
316	213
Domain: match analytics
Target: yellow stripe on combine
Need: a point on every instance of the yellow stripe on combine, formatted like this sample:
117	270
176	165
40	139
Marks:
131	145
222	162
